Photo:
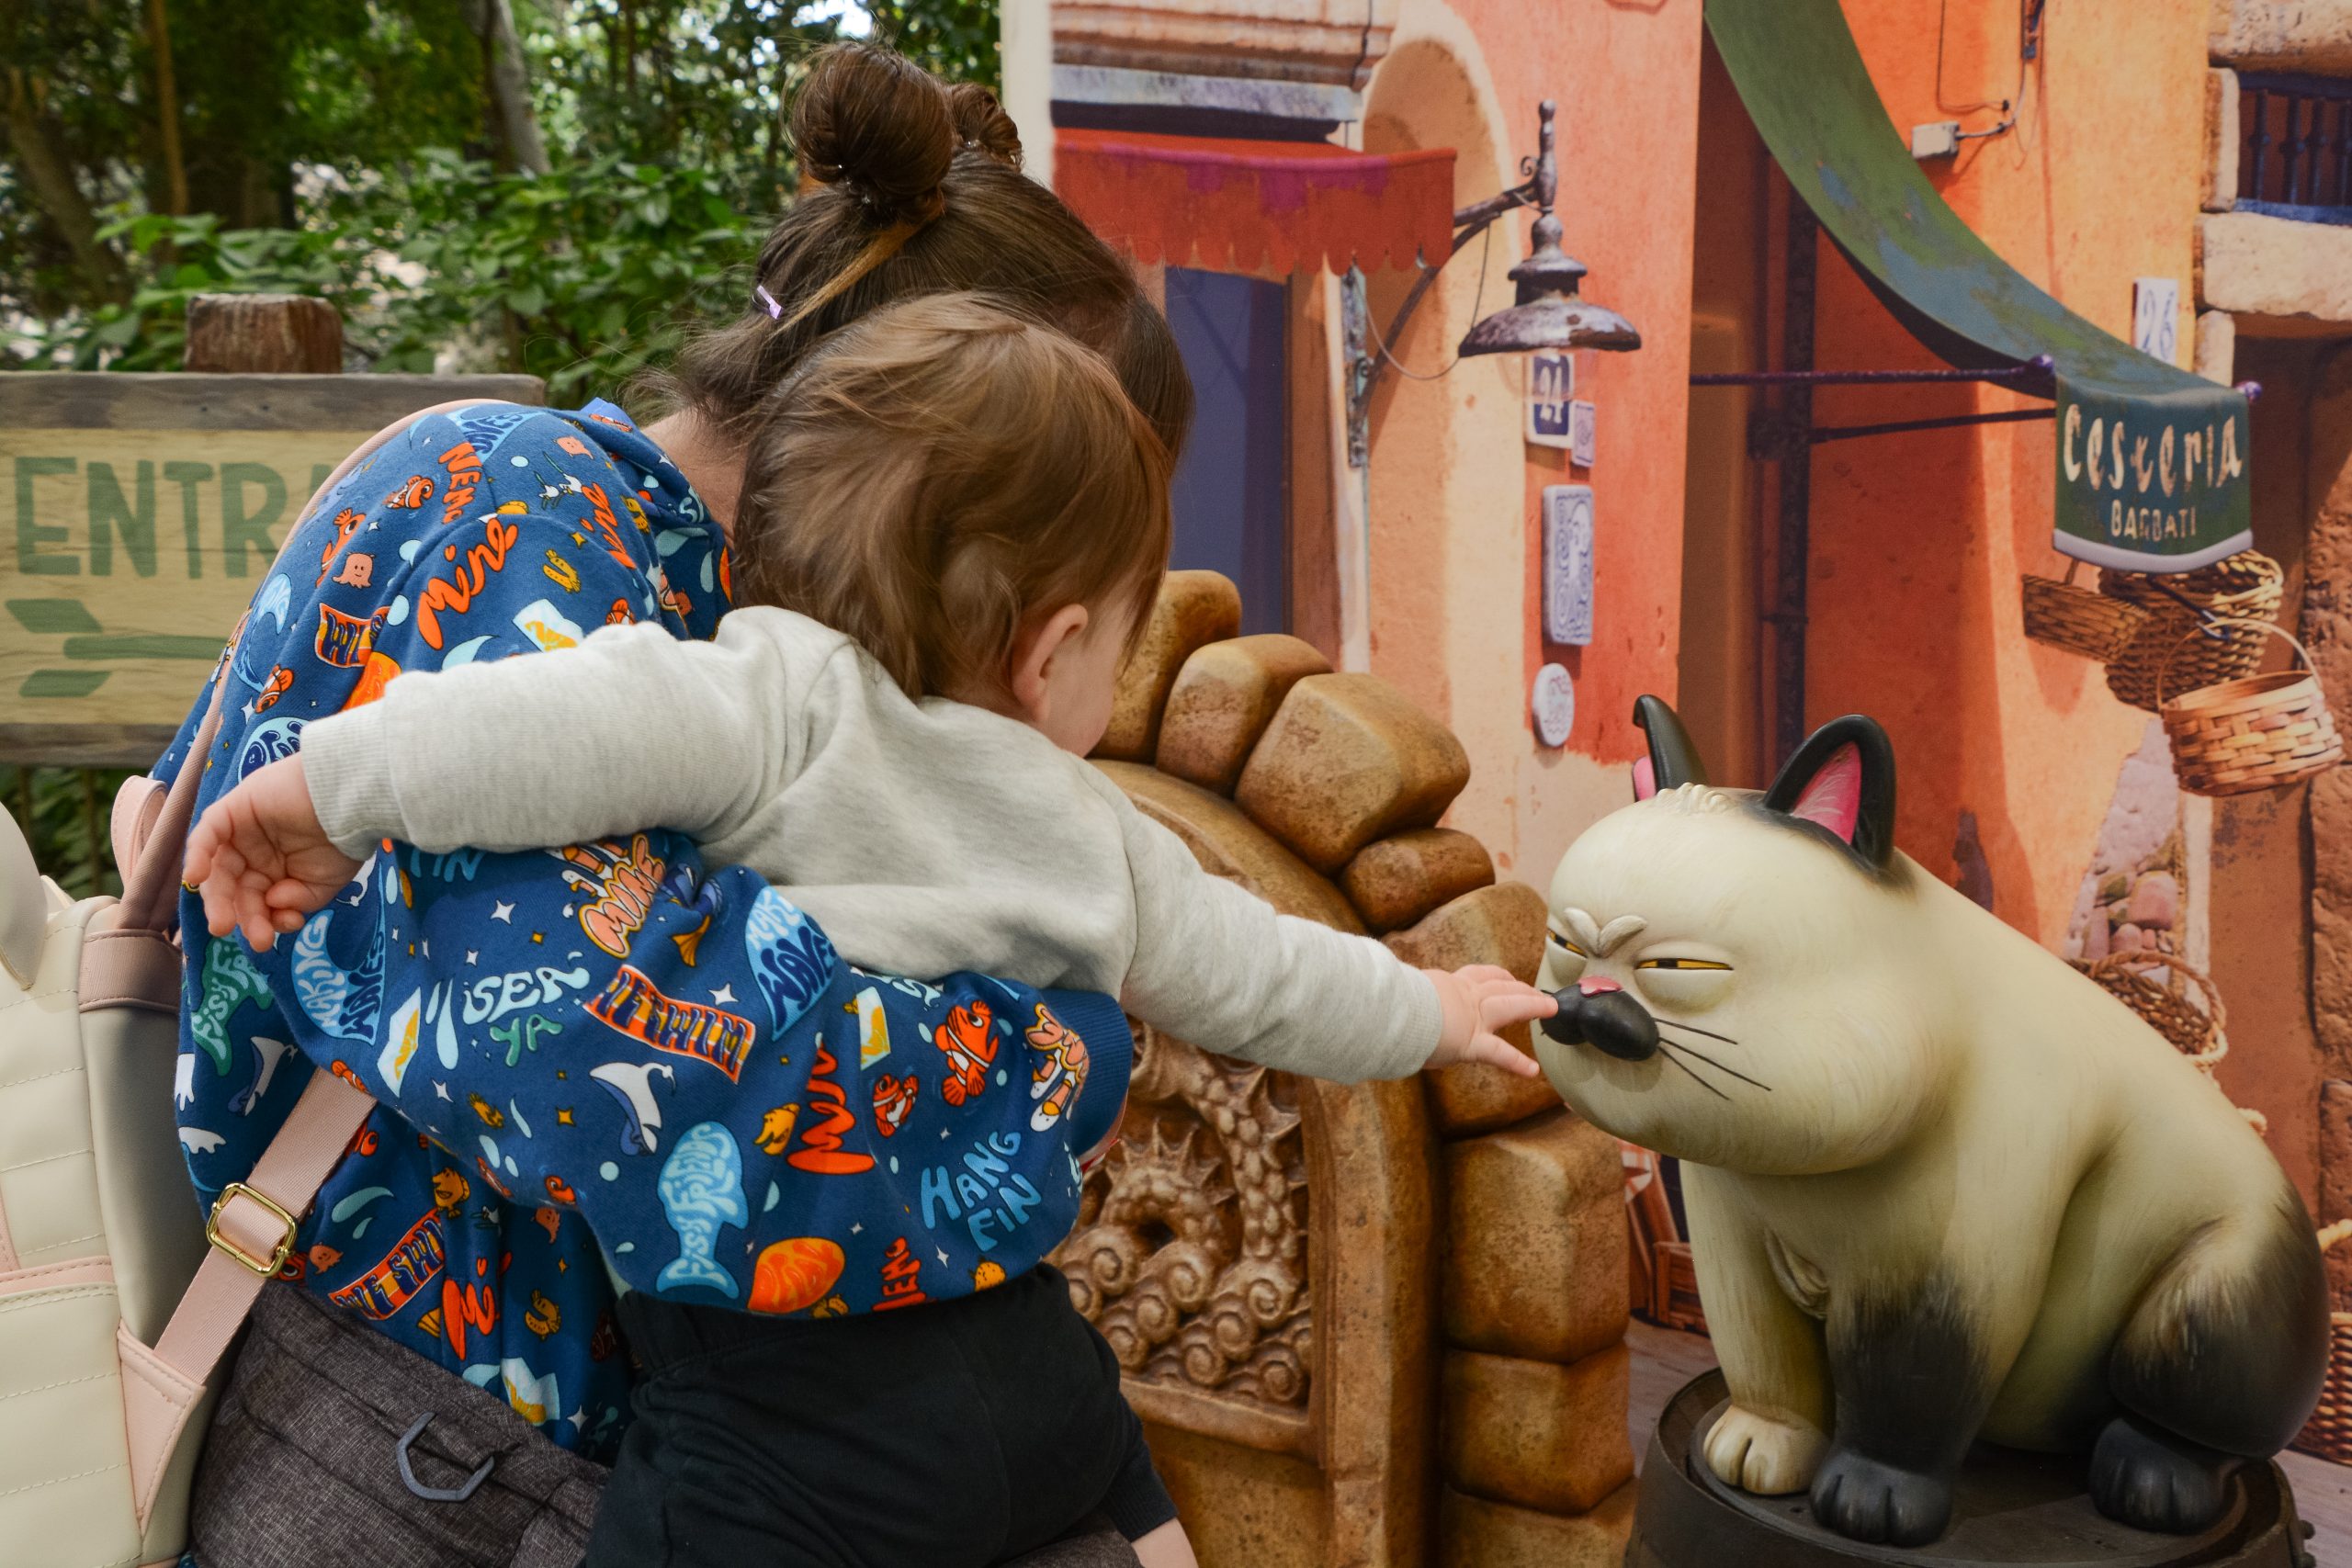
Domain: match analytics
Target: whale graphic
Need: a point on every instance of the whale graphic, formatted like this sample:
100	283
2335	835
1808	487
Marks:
267	1053
631	1084
701	1190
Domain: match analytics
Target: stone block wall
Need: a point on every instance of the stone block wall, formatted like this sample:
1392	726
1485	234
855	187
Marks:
1361	1322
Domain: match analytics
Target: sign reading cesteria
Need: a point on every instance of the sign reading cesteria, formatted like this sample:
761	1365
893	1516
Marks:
2152	484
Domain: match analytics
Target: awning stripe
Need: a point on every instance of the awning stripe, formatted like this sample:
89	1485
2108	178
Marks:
1802	80
1276	207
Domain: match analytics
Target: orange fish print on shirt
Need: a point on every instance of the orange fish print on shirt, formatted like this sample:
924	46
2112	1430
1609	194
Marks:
969	1042
346	524
281	681
411	495
893	1098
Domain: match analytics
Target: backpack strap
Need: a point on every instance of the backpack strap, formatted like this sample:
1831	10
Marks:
135	961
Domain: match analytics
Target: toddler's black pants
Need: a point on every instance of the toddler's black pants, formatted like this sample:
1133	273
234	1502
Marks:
949	1433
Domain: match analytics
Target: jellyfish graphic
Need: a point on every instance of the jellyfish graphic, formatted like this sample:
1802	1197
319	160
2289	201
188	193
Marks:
702	1191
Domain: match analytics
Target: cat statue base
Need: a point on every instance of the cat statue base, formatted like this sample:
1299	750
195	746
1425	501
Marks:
2009	1509
1941	1189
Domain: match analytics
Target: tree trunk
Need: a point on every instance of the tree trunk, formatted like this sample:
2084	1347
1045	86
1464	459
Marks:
515	128
276	333
54	189
167	107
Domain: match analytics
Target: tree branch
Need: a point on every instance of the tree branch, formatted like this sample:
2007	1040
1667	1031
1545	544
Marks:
512	121
50	177
167	107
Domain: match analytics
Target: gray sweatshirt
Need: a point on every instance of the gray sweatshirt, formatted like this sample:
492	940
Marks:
924	837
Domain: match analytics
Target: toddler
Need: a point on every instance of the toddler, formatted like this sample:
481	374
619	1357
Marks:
953	522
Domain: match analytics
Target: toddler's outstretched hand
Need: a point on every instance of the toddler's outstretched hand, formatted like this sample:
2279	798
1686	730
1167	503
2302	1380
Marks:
260	858
1473	1003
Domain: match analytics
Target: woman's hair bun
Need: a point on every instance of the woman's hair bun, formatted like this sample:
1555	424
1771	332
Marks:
879	126
982	124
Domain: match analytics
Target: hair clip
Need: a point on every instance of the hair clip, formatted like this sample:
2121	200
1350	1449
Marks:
767	301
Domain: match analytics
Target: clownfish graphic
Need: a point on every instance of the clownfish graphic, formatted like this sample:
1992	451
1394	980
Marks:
280	681
411	495
893	1098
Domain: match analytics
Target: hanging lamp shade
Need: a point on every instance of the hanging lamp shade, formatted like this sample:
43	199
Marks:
1551	313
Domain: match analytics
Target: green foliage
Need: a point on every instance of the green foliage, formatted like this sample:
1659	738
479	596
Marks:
65	813
342	149
588	273
183	257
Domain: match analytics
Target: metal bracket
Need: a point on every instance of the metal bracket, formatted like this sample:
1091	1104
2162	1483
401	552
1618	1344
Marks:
1773	433
436	1494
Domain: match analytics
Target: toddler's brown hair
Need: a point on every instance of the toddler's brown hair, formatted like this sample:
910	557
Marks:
940	474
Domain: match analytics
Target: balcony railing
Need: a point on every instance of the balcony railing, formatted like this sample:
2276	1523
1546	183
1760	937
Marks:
2295	153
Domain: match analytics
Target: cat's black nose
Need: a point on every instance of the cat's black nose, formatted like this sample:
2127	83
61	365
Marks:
1608	1020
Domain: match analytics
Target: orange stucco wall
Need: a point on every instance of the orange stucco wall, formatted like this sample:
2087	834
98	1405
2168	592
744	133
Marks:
1455	493
1919	540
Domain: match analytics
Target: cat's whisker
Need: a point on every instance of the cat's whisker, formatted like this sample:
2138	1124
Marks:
1694	1028
1720	1067
1675	1061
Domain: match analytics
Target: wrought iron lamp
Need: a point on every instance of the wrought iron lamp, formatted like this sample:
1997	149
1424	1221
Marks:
1550	312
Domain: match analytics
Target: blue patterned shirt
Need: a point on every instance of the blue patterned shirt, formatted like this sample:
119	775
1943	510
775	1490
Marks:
609	1036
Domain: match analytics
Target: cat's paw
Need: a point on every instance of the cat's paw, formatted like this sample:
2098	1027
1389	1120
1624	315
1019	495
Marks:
2154	1481
1763	1454
1866	1499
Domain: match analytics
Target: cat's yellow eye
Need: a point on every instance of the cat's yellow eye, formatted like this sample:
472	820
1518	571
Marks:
1683	964
1563	963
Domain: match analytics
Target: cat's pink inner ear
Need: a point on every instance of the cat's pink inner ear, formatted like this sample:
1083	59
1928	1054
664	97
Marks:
1833	796
1645	779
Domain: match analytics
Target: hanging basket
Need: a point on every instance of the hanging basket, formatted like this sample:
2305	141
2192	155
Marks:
2196	1032
2328	1434
2253	733
2243	588
2082	621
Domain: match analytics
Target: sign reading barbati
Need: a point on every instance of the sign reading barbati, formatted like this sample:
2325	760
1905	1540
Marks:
2152	484
143	512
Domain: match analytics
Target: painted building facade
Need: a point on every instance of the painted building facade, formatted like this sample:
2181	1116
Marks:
2177	172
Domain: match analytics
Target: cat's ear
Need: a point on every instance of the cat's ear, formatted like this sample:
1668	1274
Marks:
1843	779
1673	759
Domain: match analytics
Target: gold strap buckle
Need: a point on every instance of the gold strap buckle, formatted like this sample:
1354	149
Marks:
265	1266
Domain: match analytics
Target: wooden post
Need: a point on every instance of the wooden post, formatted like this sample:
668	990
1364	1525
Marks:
268	333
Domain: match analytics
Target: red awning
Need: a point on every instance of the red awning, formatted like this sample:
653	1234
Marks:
1257	206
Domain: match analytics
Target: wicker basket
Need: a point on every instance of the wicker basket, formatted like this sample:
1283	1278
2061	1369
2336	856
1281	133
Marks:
2198	1033
2328	1433
2082	621
2252	733
2242	587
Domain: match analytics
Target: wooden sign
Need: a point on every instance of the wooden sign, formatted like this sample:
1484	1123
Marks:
144	511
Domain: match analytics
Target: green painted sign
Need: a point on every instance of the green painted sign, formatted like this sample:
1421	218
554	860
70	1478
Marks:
1804	85
2152	484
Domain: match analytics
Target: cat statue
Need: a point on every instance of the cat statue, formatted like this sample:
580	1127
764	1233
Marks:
1940	1186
